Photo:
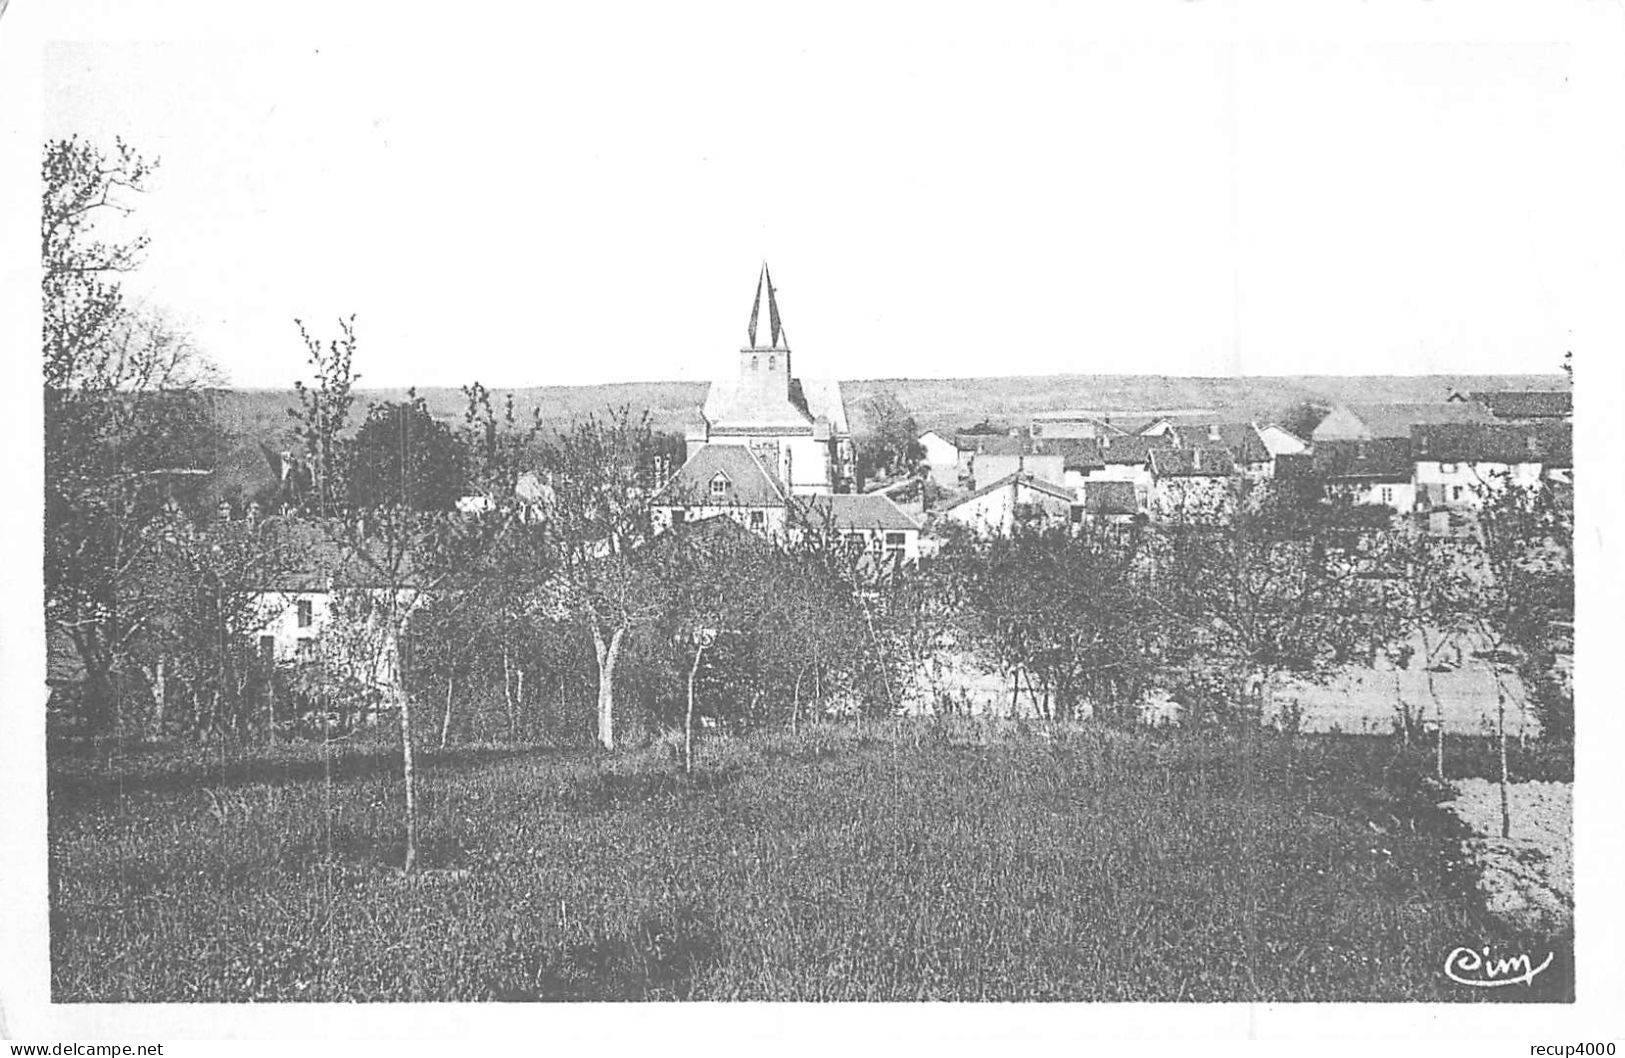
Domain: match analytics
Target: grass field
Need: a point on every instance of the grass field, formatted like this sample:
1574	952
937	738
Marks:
925	861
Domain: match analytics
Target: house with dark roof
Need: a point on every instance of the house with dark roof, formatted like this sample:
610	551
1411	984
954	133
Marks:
1458	464
1241	439
1192	481
1020	498
797	426
1109	501
1526	405
1378	471
1362	422
730	480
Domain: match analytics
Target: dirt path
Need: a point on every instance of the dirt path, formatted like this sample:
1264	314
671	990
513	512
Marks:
1527	878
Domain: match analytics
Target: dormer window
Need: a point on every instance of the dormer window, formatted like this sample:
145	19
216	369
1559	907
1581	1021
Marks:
719	485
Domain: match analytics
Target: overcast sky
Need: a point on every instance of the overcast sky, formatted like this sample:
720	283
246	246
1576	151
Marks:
587	195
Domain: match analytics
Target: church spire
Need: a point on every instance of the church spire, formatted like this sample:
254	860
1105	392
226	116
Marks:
774	335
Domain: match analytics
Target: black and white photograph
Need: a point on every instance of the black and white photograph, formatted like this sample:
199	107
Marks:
871	523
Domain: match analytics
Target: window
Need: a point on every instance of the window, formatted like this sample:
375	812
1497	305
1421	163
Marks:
305	615
772	362
758	519
307	649
719	486
267	647
855	541
1448	468
677	516
896	547
1455	492
755	363
1387	495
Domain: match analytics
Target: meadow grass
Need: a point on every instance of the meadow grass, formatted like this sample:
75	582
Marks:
914	861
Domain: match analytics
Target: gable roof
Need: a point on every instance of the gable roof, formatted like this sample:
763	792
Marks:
855	511
1020	479
1192	461
1379	459
1527	403
1077	453
1550	443
750	483
1396	420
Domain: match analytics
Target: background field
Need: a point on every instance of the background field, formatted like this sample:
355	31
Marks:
914	861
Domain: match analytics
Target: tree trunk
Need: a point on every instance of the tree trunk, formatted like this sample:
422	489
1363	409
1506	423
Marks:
688	719
270	703
608	654
507	698
445	720
407	769
160	688
1501	725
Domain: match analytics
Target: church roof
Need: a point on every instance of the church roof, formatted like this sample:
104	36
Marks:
766	325
729	403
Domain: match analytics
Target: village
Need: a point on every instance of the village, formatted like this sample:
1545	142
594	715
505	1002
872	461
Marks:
774	453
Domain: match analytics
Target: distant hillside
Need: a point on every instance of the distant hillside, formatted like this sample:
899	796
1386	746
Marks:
256	416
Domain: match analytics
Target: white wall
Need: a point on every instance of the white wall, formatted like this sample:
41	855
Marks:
1459	484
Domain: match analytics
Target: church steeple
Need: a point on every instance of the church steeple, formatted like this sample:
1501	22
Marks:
773	333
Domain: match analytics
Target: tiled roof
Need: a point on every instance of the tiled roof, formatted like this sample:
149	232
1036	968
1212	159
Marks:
1396	420
1527	404
1551	444
749	482
1132	450
1241	438
1077	453
853	511
1192	461
992	444
1381	458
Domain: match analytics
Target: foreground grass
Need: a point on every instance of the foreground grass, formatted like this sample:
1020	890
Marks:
920	863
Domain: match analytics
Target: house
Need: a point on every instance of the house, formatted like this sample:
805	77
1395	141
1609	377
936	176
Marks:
868	522
796	426
1119	459
1524	405
1016	499
1377	471
942	457
1362	422
1192	481
1456	464
1241	439
733	480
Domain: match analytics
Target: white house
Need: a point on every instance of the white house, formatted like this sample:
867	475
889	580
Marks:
942	456
868	522
1017	499
1457	466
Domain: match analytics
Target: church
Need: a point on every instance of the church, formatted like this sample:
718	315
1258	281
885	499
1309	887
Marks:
796	428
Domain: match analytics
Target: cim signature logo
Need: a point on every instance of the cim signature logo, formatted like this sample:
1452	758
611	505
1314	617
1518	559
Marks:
1476	969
